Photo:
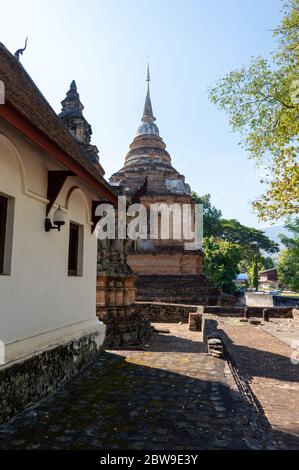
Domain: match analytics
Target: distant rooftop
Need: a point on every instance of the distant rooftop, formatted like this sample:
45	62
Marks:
242	277
267	271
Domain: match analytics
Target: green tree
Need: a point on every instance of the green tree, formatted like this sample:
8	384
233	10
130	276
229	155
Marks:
288	270
267	263
254	274
211	215
292	225
253	241
288	260
221	262
250	244
262	102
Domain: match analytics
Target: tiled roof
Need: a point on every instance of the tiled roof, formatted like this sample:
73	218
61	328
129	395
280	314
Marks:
268	271
23	95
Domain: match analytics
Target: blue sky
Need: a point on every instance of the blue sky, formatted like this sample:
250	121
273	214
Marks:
105	44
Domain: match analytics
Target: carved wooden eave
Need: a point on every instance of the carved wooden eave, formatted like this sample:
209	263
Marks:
56	180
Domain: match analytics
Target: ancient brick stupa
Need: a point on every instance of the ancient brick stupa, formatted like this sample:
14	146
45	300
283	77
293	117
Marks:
166	271
115	297
72	116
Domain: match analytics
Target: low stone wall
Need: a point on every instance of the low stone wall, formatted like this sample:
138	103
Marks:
285	301
159	312
210	332
274	312
257	299
128	326
225	311
26	381
125	325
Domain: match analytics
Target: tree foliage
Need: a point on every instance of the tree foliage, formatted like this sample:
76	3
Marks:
253	241
262	103
267	263
288	270
211	215
292	225
227	240
221	262
288	261
253	274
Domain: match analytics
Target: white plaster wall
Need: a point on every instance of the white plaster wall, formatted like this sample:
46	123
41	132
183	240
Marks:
38	300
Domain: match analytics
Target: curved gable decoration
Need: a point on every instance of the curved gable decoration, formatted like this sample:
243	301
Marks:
76	189
14	151
16	154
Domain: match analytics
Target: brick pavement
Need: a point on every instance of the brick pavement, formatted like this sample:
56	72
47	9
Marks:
169	396
264	362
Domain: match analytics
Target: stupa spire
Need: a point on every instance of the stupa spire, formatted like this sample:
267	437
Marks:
148	115
72	100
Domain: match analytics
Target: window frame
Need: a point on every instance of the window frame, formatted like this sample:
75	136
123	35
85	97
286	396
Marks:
3	227
75	260
6	234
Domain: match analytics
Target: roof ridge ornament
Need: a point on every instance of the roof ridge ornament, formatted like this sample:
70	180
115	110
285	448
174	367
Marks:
20	51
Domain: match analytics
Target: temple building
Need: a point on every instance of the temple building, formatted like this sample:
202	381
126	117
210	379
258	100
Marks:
64	294
50	181
166	270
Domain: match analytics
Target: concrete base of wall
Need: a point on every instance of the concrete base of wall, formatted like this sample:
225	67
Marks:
28	380
258	299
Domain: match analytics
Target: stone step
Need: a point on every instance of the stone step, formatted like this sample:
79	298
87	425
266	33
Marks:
181	289
187	290
186	280
181	299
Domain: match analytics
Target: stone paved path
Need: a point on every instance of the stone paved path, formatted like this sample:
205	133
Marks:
287	330
264	361
170	396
